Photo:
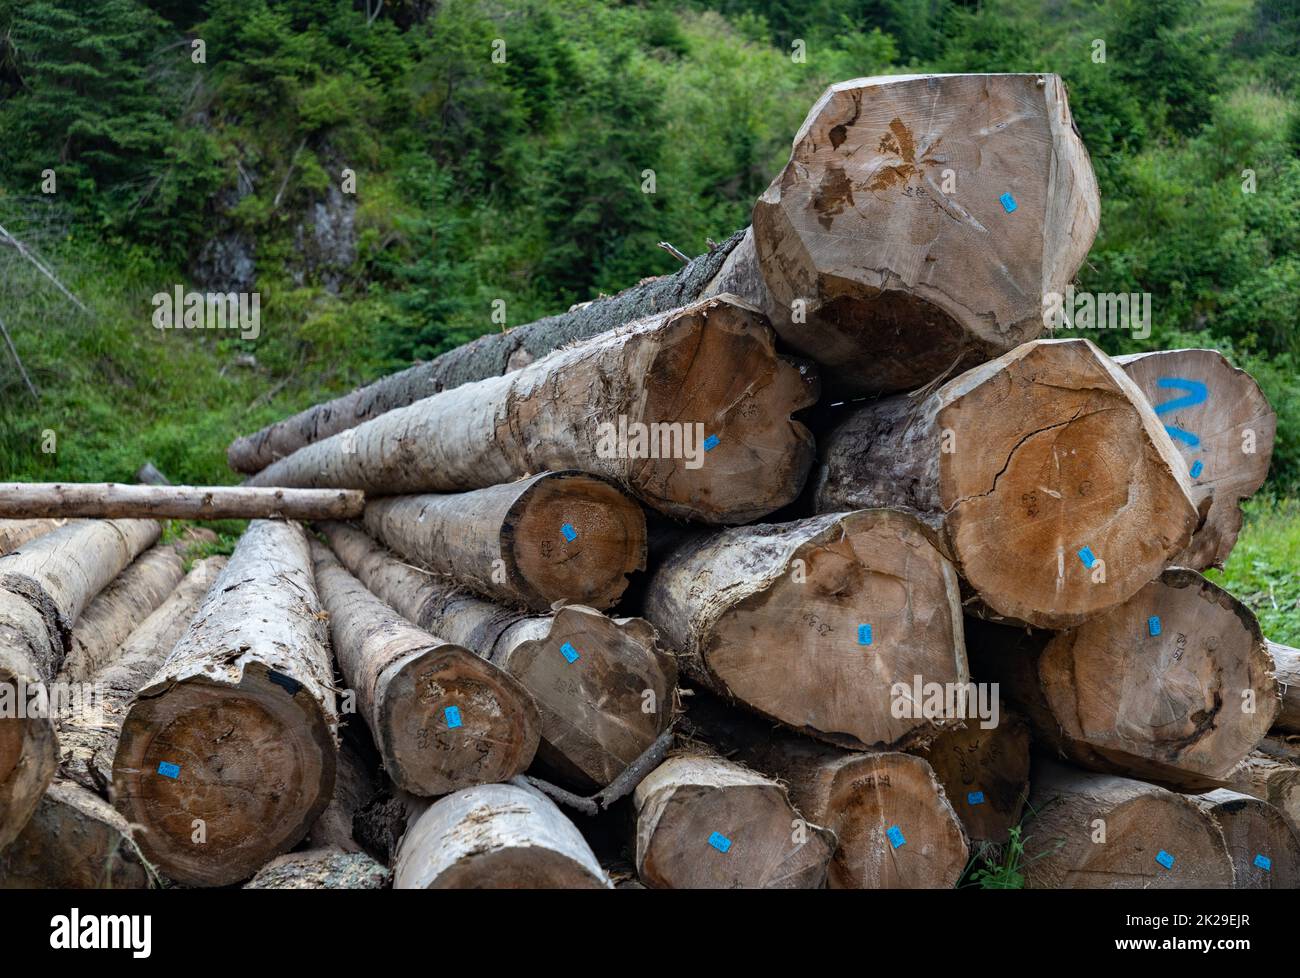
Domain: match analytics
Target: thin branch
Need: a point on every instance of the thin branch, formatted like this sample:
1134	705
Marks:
22	250
631	776
674	252
13	351
293	162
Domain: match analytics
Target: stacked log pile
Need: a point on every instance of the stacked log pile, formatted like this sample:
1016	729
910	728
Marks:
812	565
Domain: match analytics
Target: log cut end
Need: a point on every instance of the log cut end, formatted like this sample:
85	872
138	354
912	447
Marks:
706	823
1223	425
222	777
1264	849
75	840
1062	493
28	759
898	187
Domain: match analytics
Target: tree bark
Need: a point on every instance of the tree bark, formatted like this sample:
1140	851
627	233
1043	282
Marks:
985	774
442	717
1056	488
813	623
495	836
233	740
109	500
117	610
1286	667
599	712
706	823
1222	424
44	587
321	869
14	533
1181	707
1264	849
557	536
1272	774
739	454
1096	831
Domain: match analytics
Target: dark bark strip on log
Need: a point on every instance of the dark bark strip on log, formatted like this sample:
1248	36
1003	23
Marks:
44	586
496	836
1264	849
747	456
1097	831
104	500
1173	686
1223	425
706	823
1057	490
557	536
232	741
118	609
814	622
1286	667
442	717
599	712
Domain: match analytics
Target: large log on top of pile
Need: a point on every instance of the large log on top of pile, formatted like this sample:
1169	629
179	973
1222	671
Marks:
1056	488
815	622
228	753
707	823
1264	849
76	839
1098	831
44	586
1173	686
988	201
604	689
495	836
442	717
646	405
557	536
1222	423
105	500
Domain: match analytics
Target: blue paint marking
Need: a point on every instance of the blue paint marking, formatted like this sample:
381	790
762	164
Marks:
711	443
1196	393
452	713
864	634
1264	863
1164	859
1153	625
569	652
569	532
1087	557
1186	437
1197	468
975	798
167	770
1008	203
719	842
895	836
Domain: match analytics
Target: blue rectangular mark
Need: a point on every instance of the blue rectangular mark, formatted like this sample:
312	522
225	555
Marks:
569	532
719	842
1153	625
452	713
975	798
1264	863
1197	468
1087	557
569	652
1008	203
169	770
895	836
1164	859
711	443
864	634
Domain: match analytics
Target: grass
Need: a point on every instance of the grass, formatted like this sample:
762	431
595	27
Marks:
1262	570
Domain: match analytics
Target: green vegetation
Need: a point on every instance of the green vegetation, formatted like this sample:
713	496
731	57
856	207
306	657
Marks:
481	180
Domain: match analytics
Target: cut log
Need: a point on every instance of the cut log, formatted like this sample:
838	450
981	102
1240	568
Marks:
1286	667
931	158
107	500
496	836
118	609
823	624
1057	490
1097	831
321	869
920	222
442	717
706	823
603	687
558	536
644	406
1264	849
227	755
150	475
14	533
1272	774
44	586
1173	686
1223	425
985	774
